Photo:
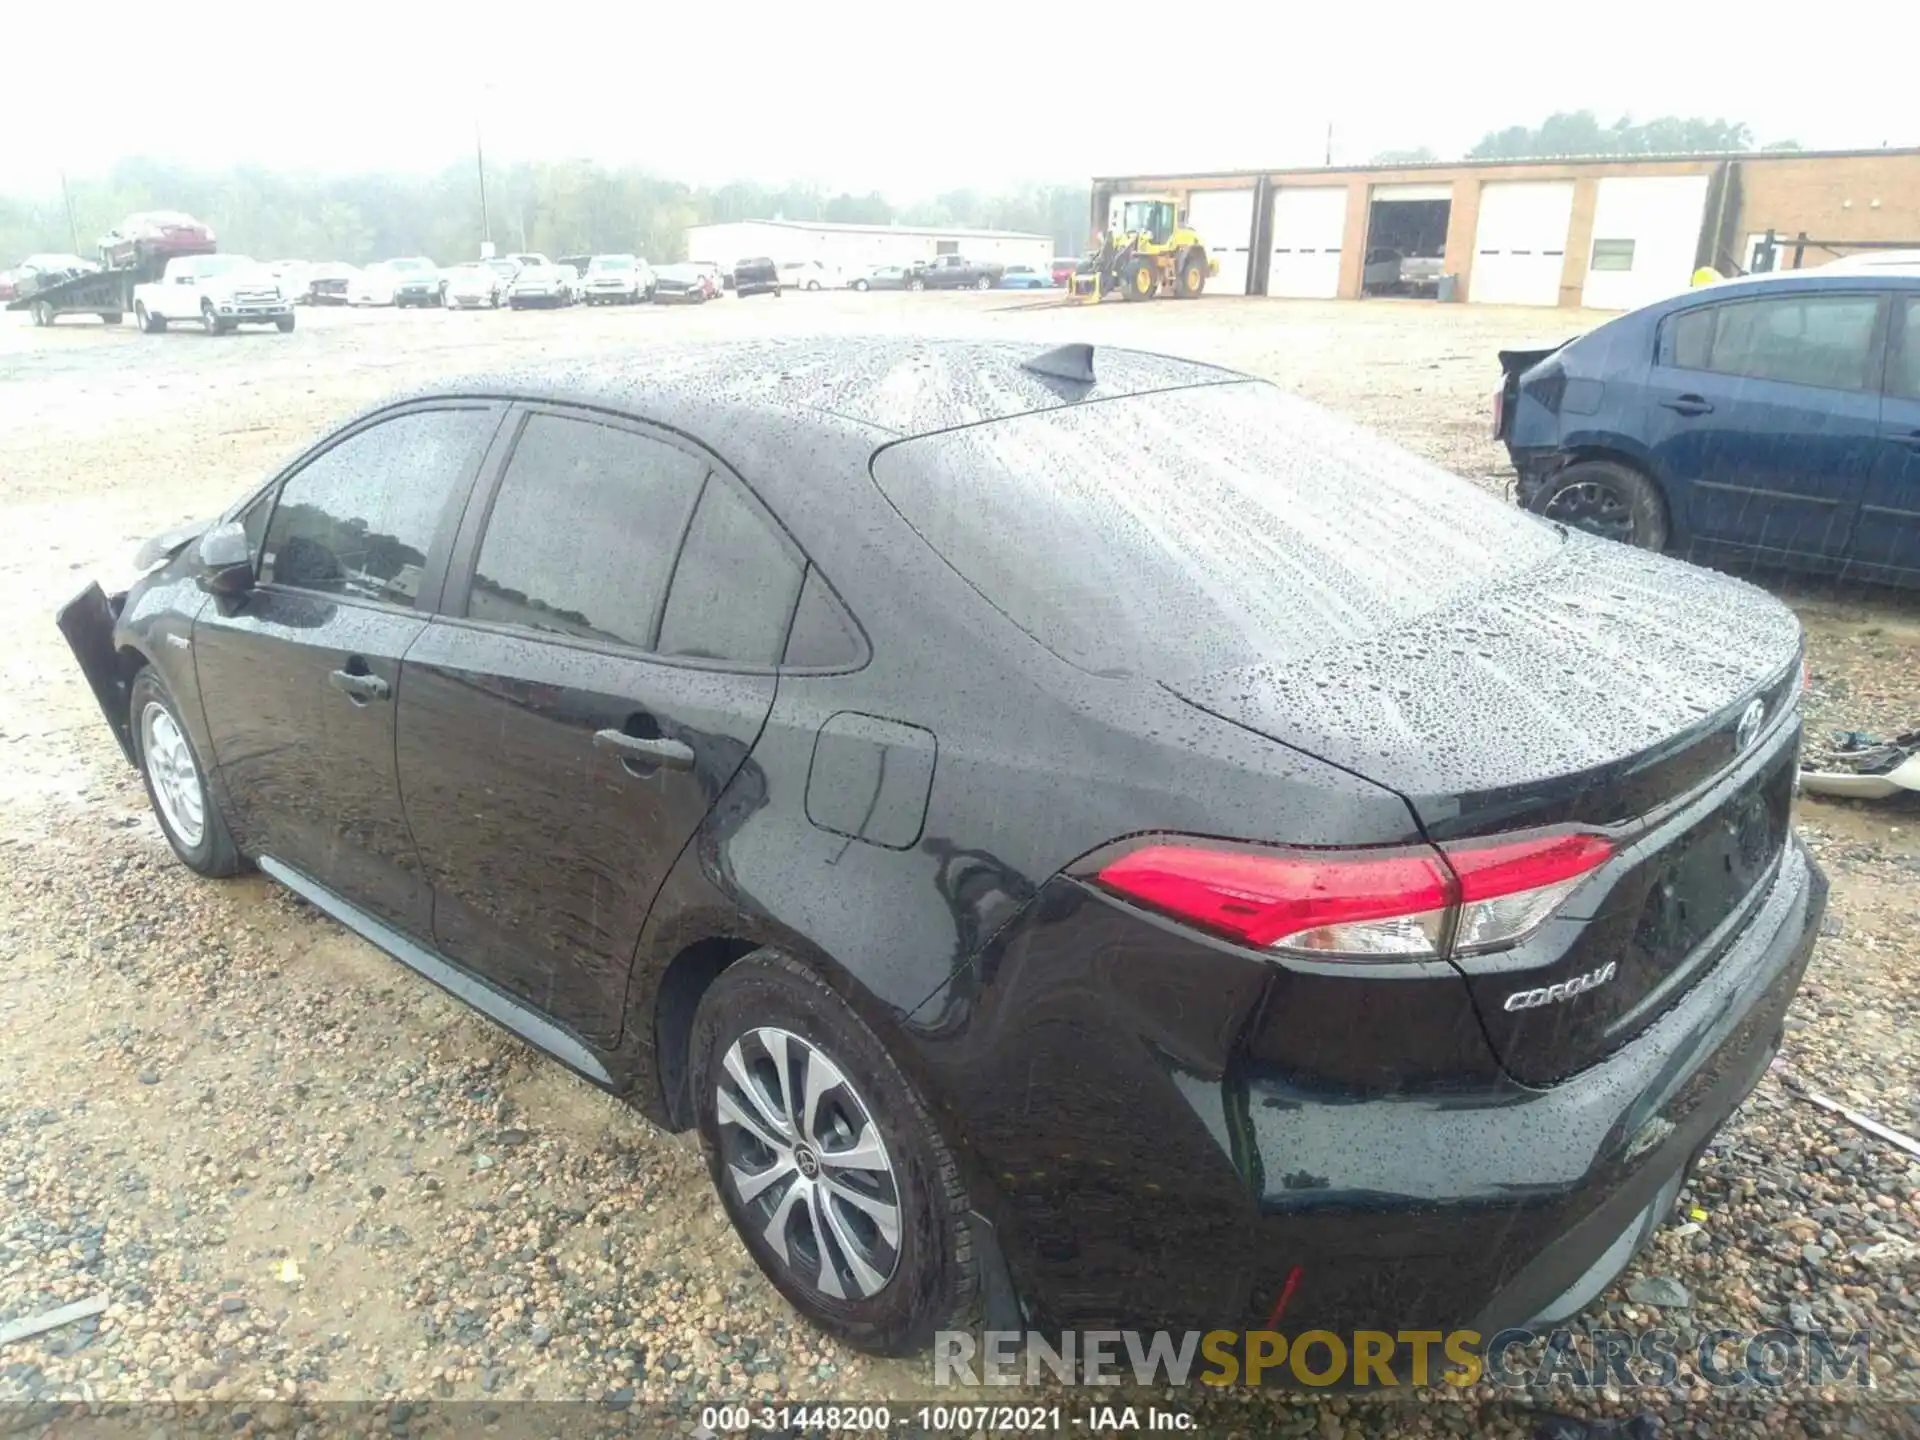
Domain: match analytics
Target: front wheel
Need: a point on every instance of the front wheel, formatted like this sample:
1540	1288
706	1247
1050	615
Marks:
916	283
827	1160
209	321
176	786
149	322
284	324
985	282
860	285
1608	499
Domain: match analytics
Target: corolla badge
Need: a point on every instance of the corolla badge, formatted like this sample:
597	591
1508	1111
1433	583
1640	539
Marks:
1748	730
1565	990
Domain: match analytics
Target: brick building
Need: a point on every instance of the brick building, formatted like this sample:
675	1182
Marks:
1612	233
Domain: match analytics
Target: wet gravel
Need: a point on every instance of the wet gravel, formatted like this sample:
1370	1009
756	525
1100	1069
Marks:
304	1177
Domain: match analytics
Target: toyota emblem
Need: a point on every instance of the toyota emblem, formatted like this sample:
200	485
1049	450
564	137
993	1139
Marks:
1748	730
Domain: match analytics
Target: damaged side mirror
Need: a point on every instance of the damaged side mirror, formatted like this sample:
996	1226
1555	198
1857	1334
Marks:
226	561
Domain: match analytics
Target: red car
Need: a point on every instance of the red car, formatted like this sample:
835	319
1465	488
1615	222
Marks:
1063	268
154	237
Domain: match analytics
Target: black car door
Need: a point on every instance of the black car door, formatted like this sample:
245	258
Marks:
568	723
299	677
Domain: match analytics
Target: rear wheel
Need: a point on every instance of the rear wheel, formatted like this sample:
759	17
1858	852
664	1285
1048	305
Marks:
860	284
1192	277
1608	499
113	317
176	787
827	1161
985	282
916	283
42	313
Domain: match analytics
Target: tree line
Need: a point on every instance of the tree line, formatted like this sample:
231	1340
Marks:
557	207
1581	132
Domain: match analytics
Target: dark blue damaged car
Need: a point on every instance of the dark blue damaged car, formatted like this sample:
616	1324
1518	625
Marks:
1774	418
1083	836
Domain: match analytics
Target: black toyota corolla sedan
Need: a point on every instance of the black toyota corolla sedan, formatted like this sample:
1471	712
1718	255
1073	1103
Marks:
1083	835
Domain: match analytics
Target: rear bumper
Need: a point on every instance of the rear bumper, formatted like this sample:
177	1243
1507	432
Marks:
1144	1169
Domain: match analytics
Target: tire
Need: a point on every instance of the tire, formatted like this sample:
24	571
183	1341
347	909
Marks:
985	282
112	317
284	324
1608	499
1191	279
209	321
766	1004
860	285
916	283
42	314
1142	282
149	322
176	783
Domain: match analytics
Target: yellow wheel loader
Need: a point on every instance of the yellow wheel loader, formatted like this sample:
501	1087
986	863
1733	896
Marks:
1148	251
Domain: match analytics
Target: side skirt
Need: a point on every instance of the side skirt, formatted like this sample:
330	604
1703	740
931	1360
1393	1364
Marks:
494	1003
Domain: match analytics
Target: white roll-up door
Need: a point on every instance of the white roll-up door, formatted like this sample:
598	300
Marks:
1223	219
1309	227
1646	234
1520	242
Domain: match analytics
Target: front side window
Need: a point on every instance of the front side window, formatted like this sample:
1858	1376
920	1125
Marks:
1820	340
584	531
359	518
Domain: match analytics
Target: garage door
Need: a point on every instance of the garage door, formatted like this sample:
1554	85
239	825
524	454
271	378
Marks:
1309	222
1223	219
1646	232
1520	242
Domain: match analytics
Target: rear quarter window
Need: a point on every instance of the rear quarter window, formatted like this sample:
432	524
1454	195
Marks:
1180	533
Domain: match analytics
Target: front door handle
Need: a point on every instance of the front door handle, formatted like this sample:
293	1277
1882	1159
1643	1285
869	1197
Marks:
1688	405
667	754
358	688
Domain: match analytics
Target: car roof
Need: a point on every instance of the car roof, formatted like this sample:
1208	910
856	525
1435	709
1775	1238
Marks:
1819	278
896	386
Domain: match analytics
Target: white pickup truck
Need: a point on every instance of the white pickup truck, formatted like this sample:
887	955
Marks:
218	291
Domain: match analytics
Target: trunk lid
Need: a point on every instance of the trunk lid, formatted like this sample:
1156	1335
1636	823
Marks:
1585	692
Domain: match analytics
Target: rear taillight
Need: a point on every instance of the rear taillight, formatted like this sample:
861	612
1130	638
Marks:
1389	904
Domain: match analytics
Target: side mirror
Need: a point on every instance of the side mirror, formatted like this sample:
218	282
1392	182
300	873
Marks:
226	561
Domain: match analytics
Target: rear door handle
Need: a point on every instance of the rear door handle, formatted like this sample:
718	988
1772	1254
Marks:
359	688
667	754
1688	405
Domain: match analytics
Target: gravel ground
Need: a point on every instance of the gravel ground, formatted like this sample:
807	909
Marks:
305	1177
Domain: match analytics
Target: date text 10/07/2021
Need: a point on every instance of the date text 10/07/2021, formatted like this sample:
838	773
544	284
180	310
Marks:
718	1420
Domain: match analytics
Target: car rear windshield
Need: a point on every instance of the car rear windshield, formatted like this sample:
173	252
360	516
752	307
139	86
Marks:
1185	532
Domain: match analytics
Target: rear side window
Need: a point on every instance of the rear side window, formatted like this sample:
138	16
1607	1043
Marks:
1178	534
735	585
1820	340
583	531
359	518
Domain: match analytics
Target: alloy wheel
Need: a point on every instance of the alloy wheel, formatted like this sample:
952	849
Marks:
807	1166
1594	507
175	776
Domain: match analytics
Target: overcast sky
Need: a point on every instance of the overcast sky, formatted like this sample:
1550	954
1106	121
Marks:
919	95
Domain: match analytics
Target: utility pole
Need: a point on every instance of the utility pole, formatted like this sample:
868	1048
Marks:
1329	160
486	225
73	230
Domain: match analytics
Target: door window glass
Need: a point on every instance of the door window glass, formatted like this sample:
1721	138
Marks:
1906	375
1823	340
735	585
359	519
584	530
